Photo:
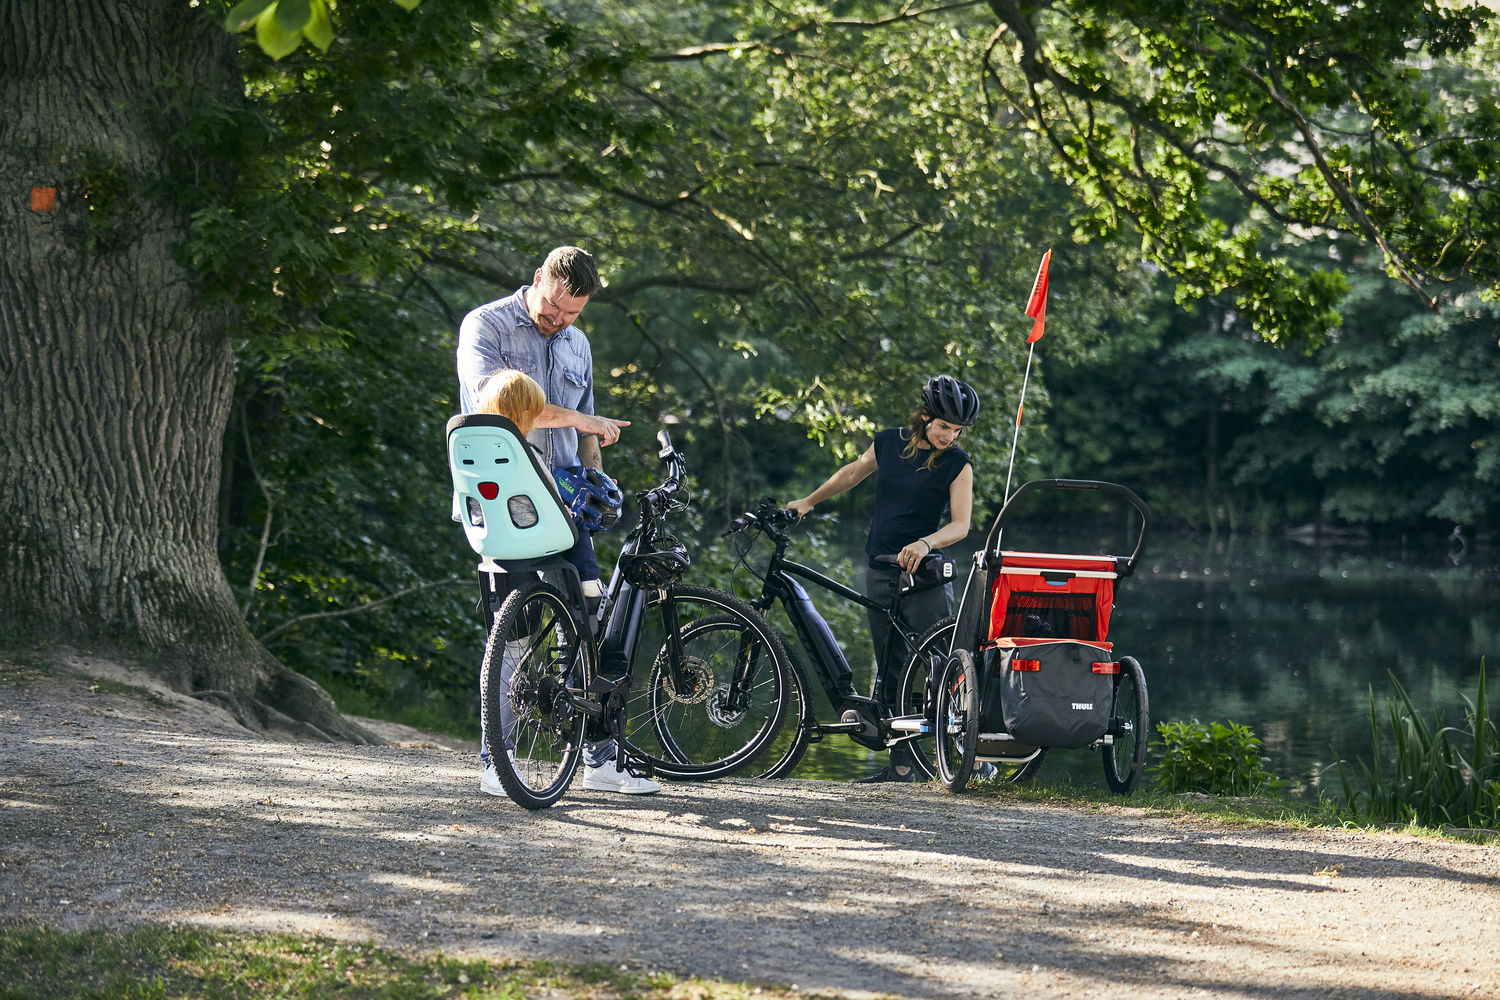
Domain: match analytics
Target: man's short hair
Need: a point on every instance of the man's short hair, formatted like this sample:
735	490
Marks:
575	268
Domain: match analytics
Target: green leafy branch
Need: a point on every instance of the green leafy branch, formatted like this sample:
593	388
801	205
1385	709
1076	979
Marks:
281	25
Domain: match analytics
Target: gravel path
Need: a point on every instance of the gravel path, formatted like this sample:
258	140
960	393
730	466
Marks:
121	805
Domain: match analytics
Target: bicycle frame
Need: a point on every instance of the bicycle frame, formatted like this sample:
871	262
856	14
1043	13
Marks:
779	583
599	698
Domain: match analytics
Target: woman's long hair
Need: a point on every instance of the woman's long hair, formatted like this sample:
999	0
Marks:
917	431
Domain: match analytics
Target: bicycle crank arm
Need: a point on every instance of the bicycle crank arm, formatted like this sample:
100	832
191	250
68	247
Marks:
585	704
827	728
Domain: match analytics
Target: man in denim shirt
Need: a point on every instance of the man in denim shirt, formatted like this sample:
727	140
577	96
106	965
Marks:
532	331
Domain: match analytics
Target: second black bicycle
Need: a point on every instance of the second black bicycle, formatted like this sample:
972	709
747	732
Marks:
886	718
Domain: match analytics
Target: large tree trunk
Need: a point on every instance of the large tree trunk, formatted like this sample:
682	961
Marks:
115	382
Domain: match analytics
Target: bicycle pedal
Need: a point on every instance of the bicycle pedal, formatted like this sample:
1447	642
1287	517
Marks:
639	766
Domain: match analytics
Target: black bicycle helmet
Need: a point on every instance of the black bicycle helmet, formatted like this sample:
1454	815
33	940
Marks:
947	398
658	568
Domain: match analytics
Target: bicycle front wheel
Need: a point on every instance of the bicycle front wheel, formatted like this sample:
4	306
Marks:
532	731
727	698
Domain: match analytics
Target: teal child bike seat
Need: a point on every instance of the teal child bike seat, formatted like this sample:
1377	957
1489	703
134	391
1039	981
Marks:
504	498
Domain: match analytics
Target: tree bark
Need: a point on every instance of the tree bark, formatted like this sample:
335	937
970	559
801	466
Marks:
115	381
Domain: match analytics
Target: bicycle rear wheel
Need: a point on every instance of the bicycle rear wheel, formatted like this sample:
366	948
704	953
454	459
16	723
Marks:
956	717
918	681
532	731
731	697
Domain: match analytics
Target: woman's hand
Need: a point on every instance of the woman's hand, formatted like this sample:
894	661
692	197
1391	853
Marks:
911	556
800	507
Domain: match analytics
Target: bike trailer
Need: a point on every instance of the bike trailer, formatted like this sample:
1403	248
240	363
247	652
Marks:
1038	626
1046	669
506	501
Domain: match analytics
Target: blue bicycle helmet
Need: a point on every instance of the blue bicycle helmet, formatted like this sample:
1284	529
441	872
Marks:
593	497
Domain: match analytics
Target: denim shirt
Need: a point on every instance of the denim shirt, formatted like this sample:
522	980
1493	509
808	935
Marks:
501	334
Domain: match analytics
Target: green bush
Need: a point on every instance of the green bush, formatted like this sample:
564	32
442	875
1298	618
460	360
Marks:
1219	758
1440	775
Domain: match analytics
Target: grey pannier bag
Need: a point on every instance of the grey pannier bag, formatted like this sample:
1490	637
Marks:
1048	694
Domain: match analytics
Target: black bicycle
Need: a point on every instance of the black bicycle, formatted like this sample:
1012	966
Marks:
555	674
884	719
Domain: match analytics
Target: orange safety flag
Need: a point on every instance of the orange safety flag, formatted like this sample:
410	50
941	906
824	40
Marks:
1036	306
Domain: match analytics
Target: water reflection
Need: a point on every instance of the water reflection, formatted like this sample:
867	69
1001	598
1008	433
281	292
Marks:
1288	638
1291	639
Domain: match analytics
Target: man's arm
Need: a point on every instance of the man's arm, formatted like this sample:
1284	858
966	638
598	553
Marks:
605	430
478	358
588	452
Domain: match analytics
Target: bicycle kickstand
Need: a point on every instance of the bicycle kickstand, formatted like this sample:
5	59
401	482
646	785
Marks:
627	757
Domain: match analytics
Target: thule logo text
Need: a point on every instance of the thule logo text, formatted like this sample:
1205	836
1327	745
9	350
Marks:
1083	706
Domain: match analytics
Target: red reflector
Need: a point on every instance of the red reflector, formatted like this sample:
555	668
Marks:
1025	664
1108	667
489	490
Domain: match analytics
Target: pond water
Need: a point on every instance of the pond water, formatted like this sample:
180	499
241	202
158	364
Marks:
1293	639
1287	638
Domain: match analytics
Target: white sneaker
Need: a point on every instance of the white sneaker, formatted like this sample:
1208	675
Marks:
605	778
489	781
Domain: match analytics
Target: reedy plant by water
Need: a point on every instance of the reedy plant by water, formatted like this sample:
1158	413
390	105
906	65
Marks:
1440	775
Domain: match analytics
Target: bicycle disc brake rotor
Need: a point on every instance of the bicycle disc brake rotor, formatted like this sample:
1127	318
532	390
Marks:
699	678
718	713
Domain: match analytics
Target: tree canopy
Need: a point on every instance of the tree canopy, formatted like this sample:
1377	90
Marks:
801	211
1309	119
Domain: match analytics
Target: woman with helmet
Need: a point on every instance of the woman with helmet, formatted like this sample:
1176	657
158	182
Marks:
919	473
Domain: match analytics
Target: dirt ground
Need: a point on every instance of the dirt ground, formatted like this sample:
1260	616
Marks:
120	805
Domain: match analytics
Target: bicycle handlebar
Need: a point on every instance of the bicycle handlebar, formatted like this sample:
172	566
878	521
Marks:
768	516
664	495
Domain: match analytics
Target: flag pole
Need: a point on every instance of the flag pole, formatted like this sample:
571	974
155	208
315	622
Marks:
1016	437
1036	308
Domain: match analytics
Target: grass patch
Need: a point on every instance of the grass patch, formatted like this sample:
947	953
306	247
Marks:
22	666
1248	810
154	962
1427	778
449	713
103	685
